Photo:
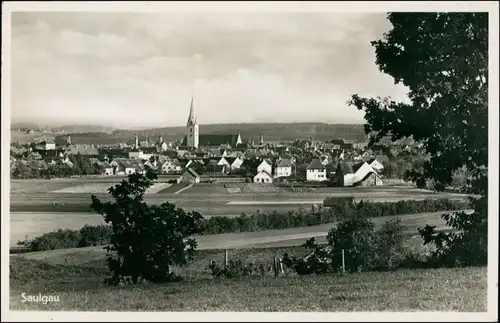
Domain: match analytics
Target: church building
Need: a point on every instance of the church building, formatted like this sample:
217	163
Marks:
193	139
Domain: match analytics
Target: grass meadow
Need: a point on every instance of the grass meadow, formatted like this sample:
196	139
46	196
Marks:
77	278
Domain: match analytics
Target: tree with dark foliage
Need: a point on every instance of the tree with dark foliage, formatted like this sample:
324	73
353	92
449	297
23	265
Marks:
146	239
443	59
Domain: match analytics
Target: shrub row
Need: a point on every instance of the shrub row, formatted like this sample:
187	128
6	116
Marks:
99	235
87	236
322	215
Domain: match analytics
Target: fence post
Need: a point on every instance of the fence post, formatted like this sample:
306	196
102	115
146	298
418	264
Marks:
226	258
343	262
275	266
282	270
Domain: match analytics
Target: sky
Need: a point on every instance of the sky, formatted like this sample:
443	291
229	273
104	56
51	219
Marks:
141	69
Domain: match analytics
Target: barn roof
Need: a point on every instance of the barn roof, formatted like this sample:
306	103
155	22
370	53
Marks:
344	168
357	166
191	172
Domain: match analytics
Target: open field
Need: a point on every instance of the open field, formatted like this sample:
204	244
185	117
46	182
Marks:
42	186
22	224
206	205
77	278
36	195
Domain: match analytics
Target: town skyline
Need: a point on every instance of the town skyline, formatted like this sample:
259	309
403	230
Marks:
140	70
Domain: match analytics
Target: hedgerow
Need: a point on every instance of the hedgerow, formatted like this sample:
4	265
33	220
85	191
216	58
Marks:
259	221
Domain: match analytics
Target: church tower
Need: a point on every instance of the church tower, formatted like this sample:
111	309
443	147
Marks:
192	135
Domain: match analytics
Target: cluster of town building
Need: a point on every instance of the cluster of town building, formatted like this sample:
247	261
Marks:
219	156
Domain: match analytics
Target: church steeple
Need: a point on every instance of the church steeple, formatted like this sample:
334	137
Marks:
192	117
192	134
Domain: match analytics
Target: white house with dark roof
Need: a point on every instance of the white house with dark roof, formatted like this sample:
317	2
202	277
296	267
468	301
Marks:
263	177
283	169
266	165
316	171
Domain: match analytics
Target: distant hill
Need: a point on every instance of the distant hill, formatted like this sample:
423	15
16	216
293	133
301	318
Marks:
83	129
271	131
63	128
23	125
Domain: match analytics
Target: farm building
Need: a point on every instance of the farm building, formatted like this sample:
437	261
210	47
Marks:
284	168
316	171
359	174
190	177
370	179
263	177
123	166
376	165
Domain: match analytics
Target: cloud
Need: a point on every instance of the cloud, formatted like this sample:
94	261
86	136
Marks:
141	69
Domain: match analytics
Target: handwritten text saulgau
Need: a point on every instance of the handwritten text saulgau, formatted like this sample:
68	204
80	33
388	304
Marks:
40	298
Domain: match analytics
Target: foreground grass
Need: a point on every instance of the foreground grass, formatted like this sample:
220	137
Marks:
77	279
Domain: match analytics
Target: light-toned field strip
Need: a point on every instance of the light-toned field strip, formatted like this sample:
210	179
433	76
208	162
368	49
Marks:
157	188
184	188
85	188
104	187
274	202
210	243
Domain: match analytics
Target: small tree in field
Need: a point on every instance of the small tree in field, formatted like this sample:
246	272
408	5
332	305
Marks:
146	239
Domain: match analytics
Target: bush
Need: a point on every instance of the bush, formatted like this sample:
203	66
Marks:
390	250
364	249
95	235
145	240
468	244
60	239
357	238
